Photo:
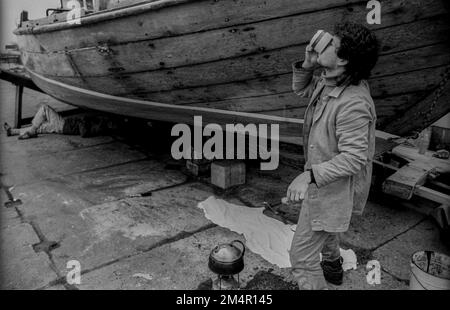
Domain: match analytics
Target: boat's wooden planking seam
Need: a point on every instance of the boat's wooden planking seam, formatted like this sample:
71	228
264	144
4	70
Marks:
292	106
422	32
387	109
392	64
178	97
388	106
290	128
186	18
290	131
207	64
50	86
213	45
412	81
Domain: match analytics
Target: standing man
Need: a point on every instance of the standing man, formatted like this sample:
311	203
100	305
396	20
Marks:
339	144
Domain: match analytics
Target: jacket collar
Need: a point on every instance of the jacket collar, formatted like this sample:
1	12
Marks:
339	86
336	92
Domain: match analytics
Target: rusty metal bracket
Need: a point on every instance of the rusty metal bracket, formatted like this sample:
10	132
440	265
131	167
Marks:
11	203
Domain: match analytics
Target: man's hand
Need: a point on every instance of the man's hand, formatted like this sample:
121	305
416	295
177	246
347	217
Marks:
297	190
310	58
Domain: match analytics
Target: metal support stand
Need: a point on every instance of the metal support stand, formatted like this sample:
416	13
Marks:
18	107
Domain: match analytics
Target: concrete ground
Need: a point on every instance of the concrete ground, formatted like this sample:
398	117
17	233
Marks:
128	214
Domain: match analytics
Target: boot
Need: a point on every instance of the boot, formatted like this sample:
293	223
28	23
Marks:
332	271
10	131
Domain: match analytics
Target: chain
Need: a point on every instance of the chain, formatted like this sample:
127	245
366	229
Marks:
425	116
438	93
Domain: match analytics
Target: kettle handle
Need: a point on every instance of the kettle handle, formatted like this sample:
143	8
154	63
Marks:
243	246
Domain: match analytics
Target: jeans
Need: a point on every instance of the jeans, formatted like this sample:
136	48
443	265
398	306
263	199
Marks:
305	253
46	120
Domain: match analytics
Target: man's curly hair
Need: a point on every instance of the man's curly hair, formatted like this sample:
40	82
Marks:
359	46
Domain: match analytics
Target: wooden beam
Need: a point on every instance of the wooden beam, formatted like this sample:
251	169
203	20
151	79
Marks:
19	79
441	185
431	194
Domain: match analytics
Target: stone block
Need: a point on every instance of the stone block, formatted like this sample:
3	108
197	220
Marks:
227	173
198	168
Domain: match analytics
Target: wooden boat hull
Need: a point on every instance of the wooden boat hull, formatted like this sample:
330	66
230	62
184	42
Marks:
88	99
234	56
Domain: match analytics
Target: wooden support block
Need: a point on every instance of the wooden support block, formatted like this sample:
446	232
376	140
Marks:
227	173
196	167
404	181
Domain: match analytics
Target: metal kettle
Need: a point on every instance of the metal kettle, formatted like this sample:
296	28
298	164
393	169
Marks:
226	259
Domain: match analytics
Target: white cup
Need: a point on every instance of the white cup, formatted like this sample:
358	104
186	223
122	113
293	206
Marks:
320	41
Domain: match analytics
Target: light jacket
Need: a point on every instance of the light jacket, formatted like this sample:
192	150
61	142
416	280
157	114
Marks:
339	145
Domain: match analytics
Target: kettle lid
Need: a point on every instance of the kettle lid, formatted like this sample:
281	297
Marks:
226	253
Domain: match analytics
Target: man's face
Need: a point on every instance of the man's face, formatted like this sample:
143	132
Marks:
329	58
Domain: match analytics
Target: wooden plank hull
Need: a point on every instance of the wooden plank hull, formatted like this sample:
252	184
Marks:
288	127
232	56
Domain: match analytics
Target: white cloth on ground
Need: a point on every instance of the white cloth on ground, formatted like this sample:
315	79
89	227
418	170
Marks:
264	235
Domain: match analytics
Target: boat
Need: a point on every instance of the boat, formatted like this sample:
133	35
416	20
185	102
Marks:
230	60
